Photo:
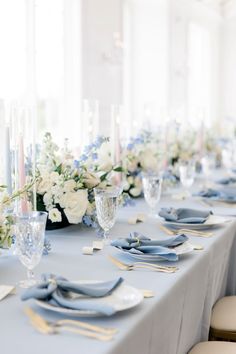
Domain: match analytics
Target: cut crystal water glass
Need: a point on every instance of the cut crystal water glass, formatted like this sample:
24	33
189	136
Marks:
29	234
152	185
106	200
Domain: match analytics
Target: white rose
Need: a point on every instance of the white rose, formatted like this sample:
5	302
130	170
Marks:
135	192
69	185
54	177
90	208
55	215
126	186
132	165
148	160
48	199
75	204
90	180
130	180
44	184
57	192
104	160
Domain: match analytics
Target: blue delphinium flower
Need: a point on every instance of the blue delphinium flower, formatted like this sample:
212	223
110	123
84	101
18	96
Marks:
76	164
94	156
46	247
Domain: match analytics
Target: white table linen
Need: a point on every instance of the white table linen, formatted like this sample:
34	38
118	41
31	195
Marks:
170	323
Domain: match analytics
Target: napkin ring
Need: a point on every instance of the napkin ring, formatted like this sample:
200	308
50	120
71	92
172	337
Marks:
137	240
52	281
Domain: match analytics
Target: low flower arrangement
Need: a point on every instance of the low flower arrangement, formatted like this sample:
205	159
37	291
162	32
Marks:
65	185
183	147
143	154
6	217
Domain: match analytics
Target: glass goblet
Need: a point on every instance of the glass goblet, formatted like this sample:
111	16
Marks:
187	175
152	191
29	233
106	200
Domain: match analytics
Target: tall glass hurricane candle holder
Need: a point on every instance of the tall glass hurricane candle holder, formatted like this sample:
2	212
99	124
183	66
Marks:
29	233
152	185
106	207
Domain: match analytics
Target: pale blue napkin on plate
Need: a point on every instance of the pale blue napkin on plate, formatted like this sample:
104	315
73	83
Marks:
185	215
226	180
226	194
139	244
55	290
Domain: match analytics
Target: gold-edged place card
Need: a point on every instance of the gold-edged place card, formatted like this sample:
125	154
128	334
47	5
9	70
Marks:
6	290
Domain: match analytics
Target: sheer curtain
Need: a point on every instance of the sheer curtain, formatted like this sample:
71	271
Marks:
199	75
40	62
146	64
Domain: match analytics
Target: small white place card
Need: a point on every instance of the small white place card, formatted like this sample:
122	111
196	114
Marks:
98	245
87	250
6	290
141	217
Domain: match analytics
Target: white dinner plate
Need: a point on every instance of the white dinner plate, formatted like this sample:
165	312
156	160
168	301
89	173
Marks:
122	298
222	200
186	247
212	221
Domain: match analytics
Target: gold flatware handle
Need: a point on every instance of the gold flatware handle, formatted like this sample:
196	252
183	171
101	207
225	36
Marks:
46	327
88	326
147	293
154	267
166	230
101	337
190	231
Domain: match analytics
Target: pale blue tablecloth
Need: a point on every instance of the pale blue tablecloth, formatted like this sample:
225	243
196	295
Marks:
170	323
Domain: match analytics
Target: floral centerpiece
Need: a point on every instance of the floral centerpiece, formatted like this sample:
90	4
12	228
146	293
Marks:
65	185
6	217
183	147
142	154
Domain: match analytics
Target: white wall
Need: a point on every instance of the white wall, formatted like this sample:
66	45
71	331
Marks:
154	69
101	65
228	71
183	12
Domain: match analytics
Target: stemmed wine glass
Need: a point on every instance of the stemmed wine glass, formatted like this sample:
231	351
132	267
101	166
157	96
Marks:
106	200
152	191
29	233
187	175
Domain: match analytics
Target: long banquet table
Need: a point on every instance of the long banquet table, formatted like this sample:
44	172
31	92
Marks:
169	323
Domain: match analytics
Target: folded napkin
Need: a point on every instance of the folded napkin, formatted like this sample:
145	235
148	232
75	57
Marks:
185	215
140	244
226	194
55	290
227	180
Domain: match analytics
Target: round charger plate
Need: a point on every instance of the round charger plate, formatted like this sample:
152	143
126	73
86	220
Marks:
124	297
212	221
221	200
186	247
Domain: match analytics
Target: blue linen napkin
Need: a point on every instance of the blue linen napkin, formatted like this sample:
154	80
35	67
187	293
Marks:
55	290
227	180
185	215
140	244
226	194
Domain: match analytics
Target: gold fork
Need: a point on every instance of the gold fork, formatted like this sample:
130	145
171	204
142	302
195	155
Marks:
150	266
147	293
46	327
193	232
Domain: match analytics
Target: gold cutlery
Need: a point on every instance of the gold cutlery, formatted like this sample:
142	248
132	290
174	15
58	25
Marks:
189	231
144	265
45	327
147	293
198	247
